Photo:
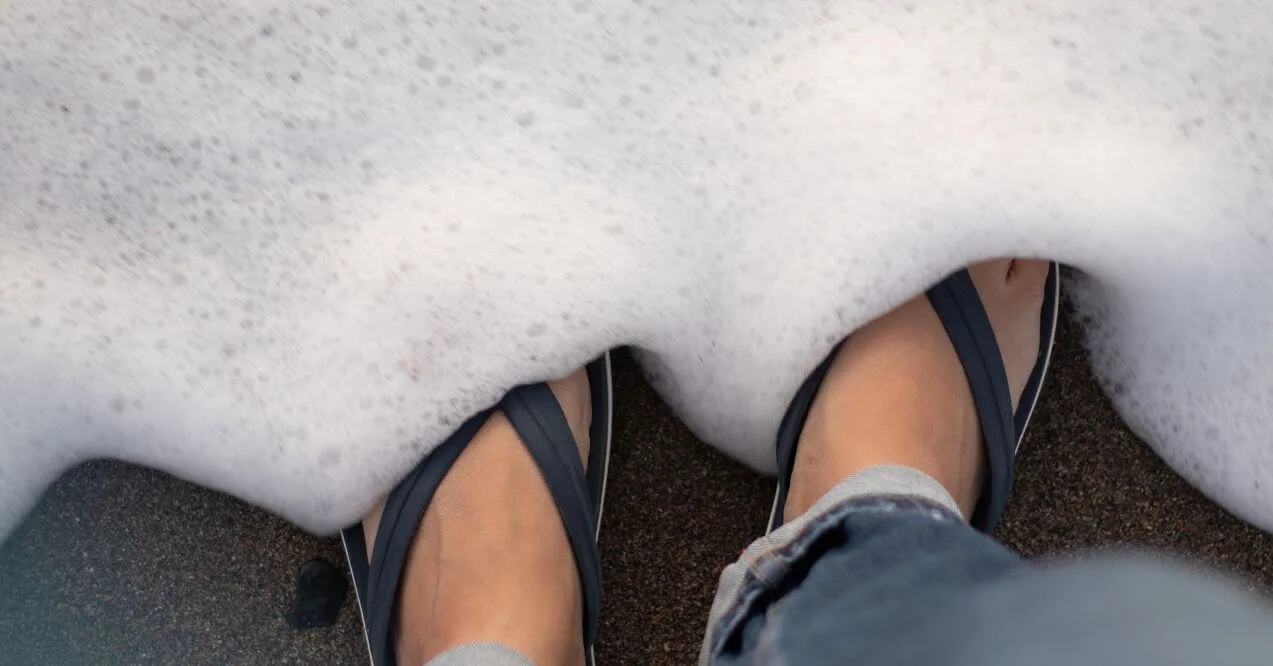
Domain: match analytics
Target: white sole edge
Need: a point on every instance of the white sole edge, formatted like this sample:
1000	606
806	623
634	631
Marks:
358	598
609	416
605	471
1047	358
773	512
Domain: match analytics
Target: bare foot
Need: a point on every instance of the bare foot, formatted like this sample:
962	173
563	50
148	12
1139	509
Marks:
490	560
896	392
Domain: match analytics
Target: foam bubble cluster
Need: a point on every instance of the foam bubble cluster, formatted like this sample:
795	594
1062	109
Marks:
283	247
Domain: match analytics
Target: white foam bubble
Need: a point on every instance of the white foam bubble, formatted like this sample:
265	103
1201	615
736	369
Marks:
282	249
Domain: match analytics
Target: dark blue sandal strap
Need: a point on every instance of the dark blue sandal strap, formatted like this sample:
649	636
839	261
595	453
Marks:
792	426
404	508
535	414
959	307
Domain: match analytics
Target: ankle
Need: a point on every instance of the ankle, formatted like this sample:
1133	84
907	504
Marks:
503	619
533	606
541	624
939	437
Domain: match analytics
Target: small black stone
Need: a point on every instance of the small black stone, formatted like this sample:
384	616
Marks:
321	589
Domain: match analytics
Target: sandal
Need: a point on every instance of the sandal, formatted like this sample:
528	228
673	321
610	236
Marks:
959	307
538	419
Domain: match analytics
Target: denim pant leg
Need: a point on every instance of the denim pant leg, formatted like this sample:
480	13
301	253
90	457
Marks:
900	580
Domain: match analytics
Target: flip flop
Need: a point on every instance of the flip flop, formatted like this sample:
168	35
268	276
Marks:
959	307
537	417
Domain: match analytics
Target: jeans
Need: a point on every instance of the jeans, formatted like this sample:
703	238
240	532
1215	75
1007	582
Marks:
883	572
